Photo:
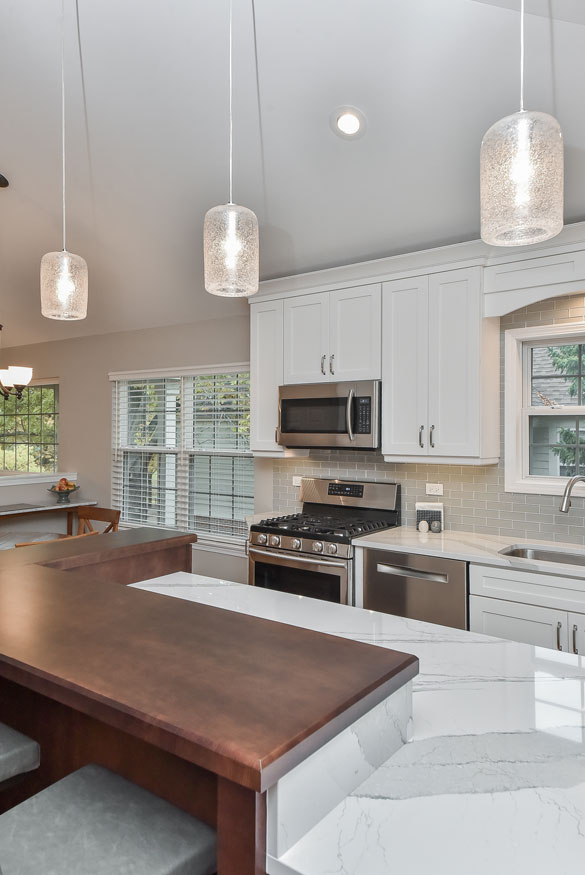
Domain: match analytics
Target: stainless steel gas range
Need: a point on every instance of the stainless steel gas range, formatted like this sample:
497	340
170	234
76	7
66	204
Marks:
310	553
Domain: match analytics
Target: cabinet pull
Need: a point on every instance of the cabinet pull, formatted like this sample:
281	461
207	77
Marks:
420	434
323	371
575	639
559	624
331	362
431	441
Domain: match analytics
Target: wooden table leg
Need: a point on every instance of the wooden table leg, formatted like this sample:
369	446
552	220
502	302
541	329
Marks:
70	515
241	830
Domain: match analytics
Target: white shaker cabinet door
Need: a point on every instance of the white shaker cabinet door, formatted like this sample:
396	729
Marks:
355	334
306	339
528	624
454	362
266	336
405	329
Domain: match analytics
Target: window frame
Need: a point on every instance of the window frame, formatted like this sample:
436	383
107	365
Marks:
518	343
10	476
182	452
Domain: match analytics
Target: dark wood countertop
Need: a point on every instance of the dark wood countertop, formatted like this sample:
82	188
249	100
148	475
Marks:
242	697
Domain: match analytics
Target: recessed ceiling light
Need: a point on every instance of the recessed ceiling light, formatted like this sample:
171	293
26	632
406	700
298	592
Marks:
3	181
348	122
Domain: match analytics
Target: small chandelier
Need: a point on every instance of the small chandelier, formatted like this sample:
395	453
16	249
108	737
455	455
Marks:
522	175
230	233
64	278
14	379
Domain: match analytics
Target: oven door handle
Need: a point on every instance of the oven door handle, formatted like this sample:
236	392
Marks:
327	563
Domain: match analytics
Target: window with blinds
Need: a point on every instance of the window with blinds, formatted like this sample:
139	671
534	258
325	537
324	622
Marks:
181	452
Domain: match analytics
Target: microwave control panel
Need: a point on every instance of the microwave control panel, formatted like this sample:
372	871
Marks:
363	423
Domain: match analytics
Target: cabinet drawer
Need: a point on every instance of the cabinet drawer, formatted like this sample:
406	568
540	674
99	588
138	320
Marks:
546	590
527	624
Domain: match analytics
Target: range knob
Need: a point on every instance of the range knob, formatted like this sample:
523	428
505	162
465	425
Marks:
332	548
317	547
261	539
296	543
275	540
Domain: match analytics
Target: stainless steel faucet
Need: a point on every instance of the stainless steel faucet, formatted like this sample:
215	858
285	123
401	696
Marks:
566	499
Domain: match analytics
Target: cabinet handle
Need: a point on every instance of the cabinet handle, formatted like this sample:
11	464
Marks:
331	362
559	624
575	639
323	371
420	439
431	441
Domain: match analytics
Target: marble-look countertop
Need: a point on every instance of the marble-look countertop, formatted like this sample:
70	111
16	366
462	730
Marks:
29	507
472	547
493	780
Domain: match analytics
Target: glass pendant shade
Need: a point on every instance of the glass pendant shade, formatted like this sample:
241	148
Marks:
64	283
6	378
521	180
18	376
230	251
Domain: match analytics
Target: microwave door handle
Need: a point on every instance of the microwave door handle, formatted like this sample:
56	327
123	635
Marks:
349	414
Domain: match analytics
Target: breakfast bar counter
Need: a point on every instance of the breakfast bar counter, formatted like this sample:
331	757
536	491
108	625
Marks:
206	707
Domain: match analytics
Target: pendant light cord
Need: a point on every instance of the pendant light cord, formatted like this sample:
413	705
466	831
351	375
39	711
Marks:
63	119
521	55
231	111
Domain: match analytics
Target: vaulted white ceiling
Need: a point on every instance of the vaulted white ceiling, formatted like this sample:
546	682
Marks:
147	129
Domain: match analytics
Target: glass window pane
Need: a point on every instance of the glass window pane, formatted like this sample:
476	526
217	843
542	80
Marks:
555	391
556	360
24	428
552	445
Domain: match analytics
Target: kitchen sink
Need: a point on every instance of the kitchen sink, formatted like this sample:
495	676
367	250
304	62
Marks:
546	554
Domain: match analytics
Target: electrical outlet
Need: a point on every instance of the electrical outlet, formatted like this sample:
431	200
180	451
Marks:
297	481
434	488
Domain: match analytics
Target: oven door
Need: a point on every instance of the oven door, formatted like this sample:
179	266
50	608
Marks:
317	578
343	415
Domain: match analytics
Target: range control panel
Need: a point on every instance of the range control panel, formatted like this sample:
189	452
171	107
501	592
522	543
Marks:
352	490
363	423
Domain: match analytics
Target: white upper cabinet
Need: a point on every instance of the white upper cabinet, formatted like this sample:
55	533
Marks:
355	339
440	370
306	339
266	370
405	328
455	325
333	336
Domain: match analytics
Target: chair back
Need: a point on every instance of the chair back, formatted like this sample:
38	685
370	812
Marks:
87	514
59	539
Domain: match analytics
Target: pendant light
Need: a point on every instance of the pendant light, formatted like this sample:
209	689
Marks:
14	379
63	275
521	175
230	232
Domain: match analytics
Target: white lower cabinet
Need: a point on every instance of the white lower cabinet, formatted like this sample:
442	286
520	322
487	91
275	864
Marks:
528	624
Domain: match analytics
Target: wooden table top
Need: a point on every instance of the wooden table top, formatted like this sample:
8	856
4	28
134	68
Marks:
243	697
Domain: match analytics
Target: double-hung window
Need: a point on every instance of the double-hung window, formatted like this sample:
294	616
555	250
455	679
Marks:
545	407
181	451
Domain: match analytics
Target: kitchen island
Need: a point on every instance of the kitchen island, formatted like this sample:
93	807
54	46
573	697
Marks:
493	779
206	707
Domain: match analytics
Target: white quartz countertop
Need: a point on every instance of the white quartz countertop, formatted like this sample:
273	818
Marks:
493	780
472	547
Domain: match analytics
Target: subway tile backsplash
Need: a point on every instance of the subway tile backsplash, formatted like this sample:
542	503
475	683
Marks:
474	497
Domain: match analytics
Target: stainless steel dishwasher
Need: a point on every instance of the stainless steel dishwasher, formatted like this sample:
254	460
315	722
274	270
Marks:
419	587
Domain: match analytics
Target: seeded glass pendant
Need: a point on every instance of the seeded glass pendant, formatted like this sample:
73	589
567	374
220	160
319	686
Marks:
230	241
522	175
64	283
64	277
230	234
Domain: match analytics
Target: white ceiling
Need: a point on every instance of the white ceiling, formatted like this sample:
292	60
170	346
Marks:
148	149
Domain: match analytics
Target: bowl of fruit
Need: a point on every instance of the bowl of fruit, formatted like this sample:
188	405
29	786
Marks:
63	490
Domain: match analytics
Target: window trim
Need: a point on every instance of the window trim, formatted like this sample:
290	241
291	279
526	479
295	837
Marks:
8	477
516	345
217	542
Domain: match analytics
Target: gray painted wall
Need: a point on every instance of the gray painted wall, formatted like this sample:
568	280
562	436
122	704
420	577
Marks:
474	497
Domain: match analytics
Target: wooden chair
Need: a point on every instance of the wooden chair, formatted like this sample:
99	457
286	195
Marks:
86	514
62	538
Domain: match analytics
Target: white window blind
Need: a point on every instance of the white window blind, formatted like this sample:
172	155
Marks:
181	452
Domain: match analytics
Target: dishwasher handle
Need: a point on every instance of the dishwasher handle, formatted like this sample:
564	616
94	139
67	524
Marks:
401	571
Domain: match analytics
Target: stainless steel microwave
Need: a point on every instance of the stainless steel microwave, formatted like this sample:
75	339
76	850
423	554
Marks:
341	415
